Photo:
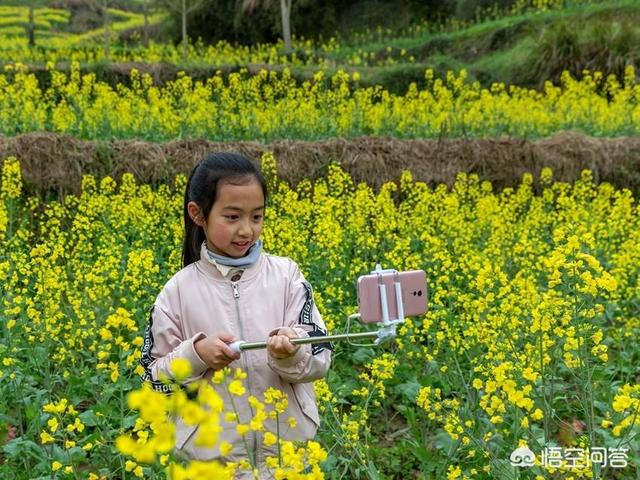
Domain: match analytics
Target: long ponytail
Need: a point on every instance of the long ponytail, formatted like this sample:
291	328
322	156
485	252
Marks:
193	234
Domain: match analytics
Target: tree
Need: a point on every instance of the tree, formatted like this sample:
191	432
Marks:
103	7
183	8
145	31
105	23
31	23
285	17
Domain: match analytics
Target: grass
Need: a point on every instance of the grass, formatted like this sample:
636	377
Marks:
53	26
498	49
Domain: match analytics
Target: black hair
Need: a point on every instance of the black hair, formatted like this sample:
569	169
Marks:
202	188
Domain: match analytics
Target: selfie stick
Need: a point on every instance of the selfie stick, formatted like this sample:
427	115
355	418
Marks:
387	331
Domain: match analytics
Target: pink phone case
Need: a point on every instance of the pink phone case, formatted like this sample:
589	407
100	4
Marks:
414	295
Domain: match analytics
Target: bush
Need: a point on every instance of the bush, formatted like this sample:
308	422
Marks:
607	47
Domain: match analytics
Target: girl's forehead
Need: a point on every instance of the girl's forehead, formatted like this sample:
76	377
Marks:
247	195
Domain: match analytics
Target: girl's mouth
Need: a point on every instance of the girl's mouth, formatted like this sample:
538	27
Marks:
242	245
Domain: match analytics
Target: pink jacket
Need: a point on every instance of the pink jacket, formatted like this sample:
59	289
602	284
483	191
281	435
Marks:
199	301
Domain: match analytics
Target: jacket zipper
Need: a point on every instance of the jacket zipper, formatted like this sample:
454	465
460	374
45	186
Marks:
245	363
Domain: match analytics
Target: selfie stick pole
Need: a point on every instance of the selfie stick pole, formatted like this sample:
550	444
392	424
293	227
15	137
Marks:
388	329
301	341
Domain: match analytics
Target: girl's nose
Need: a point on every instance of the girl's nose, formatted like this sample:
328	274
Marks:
245	229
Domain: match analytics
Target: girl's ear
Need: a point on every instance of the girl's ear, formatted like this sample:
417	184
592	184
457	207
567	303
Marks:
195	213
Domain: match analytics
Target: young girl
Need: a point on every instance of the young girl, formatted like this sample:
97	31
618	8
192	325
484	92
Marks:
229	289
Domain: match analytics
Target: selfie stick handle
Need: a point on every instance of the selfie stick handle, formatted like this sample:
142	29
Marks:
241	346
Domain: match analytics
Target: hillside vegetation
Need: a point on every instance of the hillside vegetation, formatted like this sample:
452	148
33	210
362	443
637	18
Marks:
525	48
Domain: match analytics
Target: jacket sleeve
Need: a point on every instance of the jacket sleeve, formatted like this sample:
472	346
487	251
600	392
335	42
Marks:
311	361
164	342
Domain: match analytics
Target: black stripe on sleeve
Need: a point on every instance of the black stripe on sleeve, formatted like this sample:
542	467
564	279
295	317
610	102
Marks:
146	359
306	318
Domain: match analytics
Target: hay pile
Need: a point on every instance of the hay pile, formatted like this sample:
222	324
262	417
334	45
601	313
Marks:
56	163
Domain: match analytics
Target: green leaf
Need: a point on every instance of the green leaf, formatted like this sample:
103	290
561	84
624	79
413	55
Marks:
444	441
362	356
89	418
19	447
503	469
372	471
409	390
31	412
600	406
129	421
423	455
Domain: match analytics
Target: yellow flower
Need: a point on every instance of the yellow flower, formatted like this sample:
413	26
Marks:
242	429
192	413
218	376
537	414
453	472
46	438
11	179
270	439
181	369
225	448
315	452
529	374
208	432
237	388
53	424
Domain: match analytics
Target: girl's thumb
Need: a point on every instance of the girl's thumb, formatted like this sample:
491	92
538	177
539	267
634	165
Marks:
226	337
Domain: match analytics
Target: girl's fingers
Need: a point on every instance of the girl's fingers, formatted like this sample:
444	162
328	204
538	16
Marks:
287	332
226	352
281	345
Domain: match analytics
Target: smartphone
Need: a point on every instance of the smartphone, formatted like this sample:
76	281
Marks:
414	294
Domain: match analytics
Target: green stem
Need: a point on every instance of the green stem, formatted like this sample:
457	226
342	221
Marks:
545	400
244	440
278	434
122	463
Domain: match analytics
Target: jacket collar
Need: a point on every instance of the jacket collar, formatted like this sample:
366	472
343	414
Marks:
212	271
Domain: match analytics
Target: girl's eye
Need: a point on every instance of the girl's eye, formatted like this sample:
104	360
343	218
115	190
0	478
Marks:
231	217
257	217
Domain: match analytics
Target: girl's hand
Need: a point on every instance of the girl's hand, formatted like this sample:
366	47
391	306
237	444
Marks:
215	352
278	344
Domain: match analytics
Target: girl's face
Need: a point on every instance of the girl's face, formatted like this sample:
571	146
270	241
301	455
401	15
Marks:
235	221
